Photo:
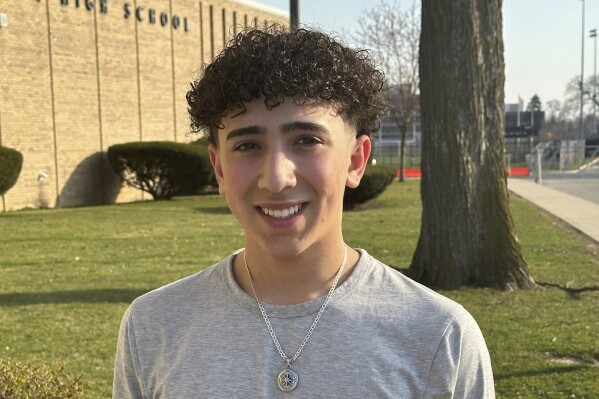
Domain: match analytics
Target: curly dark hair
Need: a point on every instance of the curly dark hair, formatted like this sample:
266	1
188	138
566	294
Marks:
305	66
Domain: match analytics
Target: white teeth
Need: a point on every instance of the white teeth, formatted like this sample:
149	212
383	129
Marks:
282	213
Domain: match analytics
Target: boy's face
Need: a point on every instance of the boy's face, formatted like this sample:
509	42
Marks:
283	173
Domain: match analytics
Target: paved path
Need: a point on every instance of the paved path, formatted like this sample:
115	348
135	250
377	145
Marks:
584	187
580	213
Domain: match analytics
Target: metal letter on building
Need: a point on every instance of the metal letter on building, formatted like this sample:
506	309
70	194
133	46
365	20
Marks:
127	9
104	6
89	4
163	19
138	13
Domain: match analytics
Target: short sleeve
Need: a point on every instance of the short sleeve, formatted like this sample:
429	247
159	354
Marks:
462	366
127	382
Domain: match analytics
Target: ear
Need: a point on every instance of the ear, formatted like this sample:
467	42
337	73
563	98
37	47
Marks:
358	161
218	169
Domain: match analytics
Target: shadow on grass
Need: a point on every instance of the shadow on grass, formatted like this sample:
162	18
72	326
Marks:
59	297
532	373
215	210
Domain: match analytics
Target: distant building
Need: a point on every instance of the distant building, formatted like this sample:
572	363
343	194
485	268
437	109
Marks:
390	132
77	76
523	124
512	107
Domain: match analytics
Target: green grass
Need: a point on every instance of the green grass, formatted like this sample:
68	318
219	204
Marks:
67	275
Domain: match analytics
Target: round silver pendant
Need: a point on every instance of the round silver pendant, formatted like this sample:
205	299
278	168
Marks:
287	380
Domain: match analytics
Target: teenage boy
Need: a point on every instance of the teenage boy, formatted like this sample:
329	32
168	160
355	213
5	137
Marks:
297	312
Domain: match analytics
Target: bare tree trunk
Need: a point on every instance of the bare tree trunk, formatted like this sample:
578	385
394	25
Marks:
402	152
467	233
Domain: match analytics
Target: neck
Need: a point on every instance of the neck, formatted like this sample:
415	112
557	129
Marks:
292	280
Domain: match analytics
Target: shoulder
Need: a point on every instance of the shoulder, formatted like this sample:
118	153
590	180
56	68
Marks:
393	301
174	299
438	329
397	292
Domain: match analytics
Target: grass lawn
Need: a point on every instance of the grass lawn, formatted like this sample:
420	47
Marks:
67	275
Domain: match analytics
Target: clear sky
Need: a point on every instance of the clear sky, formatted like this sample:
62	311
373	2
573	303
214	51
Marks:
542	39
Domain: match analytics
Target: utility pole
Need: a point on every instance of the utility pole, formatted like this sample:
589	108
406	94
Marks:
580	123
294	14
593	35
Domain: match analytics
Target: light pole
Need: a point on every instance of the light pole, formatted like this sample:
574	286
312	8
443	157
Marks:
593	35
580	134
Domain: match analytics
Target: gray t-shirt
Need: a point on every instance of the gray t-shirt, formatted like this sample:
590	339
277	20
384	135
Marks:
381	336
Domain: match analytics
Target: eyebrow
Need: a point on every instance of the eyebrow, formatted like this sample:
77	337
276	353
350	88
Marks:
310	126
242	131
285	128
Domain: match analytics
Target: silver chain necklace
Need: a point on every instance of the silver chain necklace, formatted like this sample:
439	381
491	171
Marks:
288	379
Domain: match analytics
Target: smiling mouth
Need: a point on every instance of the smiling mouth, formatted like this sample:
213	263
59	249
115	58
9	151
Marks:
282	214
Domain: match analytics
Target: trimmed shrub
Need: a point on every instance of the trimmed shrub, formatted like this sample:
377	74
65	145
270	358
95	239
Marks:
203	144
373	183
11	162
27	381
163	169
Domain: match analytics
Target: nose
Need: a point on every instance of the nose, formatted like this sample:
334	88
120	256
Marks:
278	173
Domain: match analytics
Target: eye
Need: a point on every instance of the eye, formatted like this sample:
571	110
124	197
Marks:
309	140
245	146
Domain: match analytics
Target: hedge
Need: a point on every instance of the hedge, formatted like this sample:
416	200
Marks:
373	183
203	144
11	162
163	169
28	381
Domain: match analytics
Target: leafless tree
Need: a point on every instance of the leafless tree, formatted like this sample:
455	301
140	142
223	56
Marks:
557	123
571	102
554	108
562	119
467	233
394	34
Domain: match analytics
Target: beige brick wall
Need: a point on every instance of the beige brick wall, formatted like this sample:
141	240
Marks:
118	92
74	81
25	102
76	104
156	73
187	61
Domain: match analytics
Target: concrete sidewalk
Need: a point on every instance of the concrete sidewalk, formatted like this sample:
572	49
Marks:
581	214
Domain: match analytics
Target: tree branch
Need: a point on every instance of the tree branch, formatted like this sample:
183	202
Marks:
567	288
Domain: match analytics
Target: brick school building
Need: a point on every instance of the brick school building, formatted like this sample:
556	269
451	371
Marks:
77	76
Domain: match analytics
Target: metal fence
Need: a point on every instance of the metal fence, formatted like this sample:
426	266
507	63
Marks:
563	158
388	153
542	158
517	150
